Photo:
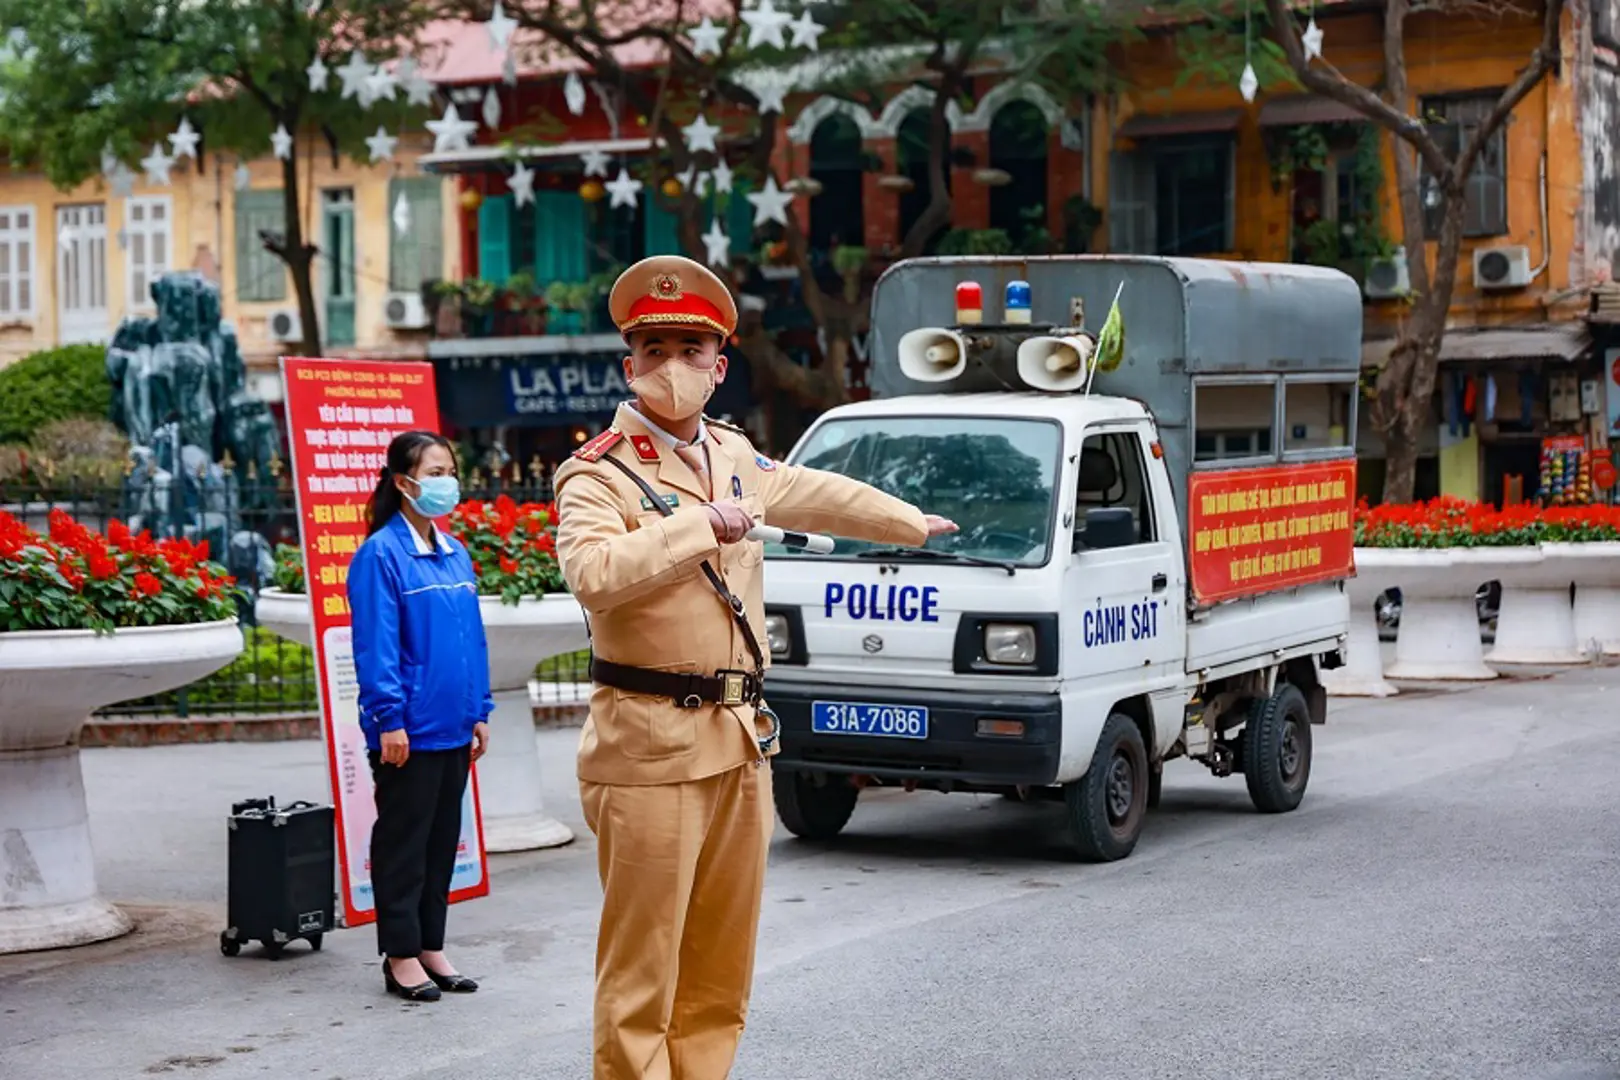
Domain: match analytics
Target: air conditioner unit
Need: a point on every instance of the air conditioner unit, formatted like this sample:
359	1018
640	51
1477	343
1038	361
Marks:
405	311
1505	267
285	325
1387	278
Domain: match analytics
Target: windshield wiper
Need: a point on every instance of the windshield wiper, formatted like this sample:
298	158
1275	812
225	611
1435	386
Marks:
899	553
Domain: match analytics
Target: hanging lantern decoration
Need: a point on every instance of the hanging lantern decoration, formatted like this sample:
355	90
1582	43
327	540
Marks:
671	187
804	185
992	177
896	182
592	190
471	200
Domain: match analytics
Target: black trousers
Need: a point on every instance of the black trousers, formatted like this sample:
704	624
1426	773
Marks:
413	847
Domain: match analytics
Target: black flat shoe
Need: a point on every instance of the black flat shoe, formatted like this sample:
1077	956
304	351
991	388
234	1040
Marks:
420	992
454	984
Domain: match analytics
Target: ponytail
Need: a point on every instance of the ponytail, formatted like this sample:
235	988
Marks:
404	454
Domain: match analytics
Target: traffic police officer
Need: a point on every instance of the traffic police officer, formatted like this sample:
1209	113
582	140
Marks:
651	523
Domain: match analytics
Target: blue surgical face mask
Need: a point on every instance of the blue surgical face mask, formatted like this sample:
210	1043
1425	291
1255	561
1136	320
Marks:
436	495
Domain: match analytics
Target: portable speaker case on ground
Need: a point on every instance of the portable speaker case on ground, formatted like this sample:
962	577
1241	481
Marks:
282	865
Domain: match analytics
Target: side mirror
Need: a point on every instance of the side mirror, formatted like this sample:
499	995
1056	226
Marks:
1108	527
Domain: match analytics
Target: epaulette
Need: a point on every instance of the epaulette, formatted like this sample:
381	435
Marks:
723	426
593	450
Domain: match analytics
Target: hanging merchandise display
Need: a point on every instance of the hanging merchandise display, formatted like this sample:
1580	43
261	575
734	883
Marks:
1566	471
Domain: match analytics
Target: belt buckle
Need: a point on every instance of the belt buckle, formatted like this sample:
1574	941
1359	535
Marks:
733	687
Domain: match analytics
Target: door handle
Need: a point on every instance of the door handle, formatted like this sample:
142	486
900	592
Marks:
1159	582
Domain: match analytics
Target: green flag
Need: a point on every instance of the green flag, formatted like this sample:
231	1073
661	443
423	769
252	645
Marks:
1111	338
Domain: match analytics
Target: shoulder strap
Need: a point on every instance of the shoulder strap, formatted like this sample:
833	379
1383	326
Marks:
738	613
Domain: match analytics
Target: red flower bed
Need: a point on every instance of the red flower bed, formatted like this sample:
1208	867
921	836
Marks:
1448	523
78	579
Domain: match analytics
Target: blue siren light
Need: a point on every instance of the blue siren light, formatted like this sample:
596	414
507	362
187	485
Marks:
1016	309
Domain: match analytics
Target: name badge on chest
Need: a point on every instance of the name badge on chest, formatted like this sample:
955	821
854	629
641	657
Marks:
736	488
672	500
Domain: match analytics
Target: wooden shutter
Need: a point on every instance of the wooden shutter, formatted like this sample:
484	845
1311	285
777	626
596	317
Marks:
740	219
495	239
1448	136
418	255
662	235
260	276
1132	195
561	238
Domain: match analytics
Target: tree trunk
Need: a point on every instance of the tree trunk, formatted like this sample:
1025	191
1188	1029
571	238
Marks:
297	254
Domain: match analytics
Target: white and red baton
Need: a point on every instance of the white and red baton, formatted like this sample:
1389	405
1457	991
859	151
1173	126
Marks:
812	542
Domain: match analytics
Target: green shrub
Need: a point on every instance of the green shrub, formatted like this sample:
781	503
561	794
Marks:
55	384
270	675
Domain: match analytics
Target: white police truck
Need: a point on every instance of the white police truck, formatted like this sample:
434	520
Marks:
1154	535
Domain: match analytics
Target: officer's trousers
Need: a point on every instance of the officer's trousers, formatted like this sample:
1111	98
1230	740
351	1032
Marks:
682	868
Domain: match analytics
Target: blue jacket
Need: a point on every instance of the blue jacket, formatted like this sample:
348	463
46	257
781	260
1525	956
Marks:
420	655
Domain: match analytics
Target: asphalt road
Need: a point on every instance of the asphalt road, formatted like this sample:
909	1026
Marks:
1443	905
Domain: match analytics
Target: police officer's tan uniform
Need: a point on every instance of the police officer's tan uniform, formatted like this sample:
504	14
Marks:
679	795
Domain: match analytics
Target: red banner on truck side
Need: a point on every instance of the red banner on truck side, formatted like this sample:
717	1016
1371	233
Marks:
1258	530
342	414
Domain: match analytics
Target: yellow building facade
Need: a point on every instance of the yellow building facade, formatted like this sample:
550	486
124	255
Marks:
74	263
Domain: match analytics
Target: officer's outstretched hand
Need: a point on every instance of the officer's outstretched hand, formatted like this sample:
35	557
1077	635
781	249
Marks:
729	521
938	526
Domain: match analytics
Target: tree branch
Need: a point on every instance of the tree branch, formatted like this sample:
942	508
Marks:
1547	54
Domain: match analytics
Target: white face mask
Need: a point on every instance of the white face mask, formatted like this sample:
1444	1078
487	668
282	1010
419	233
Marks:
675	390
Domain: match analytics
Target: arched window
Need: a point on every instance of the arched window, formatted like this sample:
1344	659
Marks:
836	159
911	160
1018	145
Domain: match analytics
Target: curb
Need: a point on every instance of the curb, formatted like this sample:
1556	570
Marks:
125	731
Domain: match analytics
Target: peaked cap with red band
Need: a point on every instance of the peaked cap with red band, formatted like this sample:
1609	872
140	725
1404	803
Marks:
668	290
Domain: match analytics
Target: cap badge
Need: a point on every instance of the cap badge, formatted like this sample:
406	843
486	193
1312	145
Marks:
666	287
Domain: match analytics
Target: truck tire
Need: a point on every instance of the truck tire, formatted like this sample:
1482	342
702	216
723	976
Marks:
811	810
1276	750
1108	805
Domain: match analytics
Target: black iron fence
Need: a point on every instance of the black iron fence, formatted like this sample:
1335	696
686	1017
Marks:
244	519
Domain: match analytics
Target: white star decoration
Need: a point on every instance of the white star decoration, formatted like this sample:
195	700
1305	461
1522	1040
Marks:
574	93
244	176
806	31
122	180
492	109
765	25
700	134
716	244
706	37
281	142
402	214
451	132
500	27
418	90
624	189
157	165
382	144
1312	40
770	204
355	75
770	87
596	162
509	70
522	184
317	72
1249	83
722	176
381	84
184	140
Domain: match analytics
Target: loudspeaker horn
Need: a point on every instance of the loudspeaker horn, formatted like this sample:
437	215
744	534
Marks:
932	354
1055	364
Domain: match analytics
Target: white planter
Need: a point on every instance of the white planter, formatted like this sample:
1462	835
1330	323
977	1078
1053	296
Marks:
1597	599
50	683
1363	672
1439	637
1536	623
515	818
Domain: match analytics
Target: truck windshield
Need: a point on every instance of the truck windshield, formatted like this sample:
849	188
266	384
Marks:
994	477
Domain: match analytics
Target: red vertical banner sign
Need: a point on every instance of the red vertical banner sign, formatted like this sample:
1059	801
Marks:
341	415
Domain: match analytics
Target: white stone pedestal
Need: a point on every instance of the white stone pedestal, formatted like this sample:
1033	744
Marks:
1439	637
1363	672
1597	599
1536	623
50	683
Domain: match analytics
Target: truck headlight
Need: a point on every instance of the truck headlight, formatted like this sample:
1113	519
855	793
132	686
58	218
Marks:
777	635
1009	643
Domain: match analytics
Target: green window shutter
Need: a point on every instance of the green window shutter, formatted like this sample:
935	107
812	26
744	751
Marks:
561	244
418	255
495	239
740	218
662	235
260	276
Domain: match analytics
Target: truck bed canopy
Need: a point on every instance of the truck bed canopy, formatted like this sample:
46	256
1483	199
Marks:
1240	363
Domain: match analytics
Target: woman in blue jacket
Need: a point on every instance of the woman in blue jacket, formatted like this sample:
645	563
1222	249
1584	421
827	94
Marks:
422	664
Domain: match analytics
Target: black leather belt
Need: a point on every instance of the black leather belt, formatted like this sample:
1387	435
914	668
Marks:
689	691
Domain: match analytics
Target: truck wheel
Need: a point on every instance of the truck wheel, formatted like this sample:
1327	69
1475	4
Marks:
812	810
1276	750
1107	805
